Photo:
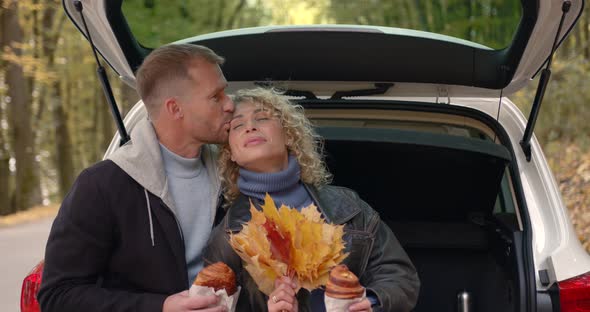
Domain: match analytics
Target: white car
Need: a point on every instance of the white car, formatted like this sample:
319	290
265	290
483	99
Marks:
419	124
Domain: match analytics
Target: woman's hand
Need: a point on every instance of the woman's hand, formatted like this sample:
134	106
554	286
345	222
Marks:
364	306
283	297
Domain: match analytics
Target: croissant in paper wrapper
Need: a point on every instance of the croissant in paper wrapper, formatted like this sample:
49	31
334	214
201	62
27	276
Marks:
343	284
218	276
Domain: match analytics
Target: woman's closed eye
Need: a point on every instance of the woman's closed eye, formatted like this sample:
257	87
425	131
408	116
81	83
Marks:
240	122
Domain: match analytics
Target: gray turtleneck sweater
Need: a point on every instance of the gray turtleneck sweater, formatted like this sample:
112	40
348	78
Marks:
188	182
284	187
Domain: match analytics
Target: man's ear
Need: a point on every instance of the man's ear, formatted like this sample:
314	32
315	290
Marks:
173	109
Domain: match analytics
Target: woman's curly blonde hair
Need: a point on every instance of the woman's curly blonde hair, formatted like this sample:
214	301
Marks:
302	141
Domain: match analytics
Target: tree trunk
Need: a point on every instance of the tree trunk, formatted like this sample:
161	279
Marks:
63	144
5	207
128	98
586	26
470	15
220	14
28	187
63	140
233	17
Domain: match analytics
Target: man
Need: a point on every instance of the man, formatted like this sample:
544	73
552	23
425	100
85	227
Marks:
129	235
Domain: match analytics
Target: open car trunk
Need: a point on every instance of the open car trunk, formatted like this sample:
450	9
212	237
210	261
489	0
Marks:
446	198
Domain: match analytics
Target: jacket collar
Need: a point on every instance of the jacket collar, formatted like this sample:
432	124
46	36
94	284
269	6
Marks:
339	210
141	158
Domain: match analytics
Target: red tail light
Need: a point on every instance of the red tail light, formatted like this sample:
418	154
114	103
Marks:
574	294
31	284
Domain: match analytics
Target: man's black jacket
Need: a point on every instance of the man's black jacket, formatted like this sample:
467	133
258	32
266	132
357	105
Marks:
99	255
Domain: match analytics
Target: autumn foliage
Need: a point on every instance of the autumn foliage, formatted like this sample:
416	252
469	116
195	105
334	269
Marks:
285	241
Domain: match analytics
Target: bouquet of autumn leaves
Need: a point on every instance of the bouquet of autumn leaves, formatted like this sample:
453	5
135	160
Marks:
287	242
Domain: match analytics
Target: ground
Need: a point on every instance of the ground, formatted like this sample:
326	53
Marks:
571	167
35	213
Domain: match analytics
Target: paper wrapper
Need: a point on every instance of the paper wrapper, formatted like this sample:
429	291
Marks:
228	301
341	305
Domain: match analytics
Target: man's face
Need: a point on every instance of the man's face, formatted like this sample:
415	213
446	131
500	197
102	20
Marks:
206	109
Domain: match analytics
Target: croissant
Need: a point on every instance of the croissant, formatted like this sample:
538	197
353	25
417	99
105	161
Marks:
218	276
343	284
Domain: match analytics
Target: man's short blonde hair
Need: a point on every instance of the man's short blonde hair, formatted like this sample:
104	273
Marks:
167	65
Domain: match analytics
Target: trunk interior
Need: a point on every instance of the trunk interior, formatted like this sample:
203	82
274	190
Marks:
447	199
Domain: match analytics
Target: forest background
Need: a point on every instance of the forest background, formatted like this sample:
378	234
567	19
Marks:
54	120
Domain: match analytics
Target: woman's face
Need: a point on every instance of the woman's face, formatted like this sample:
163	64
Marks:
257	140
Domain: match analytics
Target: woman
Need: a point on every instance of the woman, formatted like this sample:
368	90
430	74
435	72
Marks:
273	149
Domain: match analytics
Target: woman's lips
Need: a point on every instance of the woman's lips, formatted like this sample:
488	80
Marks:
254	141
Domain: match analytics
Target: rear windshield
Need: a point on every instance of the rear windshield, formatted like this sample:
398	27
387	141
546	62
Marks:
488	22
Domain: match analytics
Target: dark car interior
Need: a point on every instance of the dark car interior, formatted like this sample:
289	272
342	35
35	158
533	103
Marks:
438	194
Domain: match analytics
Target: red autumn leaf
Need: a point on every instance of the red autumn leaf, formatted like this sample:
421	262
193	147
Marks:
280	243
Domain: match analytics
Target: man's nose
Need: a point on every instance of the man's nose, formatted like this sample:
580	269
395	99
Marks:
229	105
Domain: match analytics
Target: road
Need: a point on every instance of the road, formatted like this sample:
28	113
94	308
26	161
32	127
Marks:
21	248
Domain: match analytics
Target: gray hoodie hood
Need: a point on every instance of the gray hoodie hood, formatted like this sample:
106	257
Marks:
141	159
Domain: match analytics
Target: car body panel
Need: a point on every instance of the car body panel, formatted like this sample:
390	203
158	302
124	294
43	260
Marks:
556	247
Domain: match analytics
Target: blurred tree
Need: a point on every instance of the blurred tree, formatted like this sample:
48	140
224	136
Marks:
128	96
5	191
585	28
52	23
79	86
155	23
5	207
489	22
27	185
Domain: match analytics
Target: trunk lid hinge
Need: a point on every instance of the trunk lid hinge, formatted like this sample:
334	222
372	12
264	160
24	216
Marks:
442	92
525	143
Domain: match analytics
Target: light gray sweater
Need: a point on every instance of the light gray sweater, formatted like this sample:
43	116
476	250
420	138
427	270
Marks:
188	182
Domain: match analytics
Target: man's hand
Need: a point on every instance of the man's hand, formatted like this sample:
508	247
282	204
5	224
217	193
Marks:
181	302
364	306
